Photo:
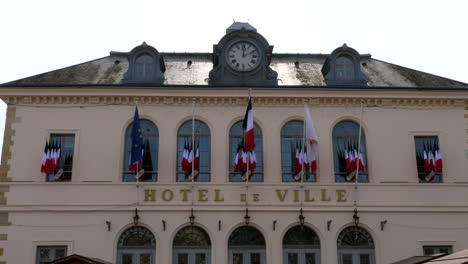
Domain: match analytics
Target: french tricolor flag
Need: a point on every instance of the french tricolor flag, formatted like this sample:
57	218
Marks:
248	125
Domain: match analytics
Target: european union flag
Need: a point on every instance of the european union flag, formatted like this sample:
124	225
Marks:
137	144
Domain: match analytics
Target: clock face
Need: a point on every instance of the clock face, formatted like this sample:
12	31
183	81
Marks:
243	56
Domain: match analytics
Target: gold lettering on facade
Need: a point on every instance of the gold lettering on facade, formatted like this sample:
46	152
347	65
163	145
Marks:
281	194
218	196
202	195
243	197
150	195
324	197
307	196
256	197
167	195
185	193
296	196
341	195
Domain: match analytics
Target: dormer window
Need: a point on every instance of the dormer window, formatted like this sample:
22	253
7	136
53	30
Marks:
342	67
145	65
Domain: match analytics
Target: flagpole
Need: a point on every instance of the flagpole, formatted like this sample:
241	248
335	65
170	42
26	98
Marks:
193	148
358	158
137	169
302	160
248	167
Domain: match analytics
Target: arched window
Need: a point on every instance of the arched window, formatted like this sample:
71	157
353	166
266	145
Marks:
344	68
301	246
150	156
192	245
291	146
236	134
355	246
345	155
144	67
246	245
136	245
202	142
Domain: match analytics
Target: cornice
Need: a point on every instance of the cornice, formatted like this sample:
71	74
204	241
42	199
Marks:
433	102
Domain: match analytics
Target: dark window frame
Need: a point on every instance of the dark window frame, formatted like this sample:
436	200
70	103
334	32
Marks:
287	153
205	150
53	249
340	143
234	138
67	155
430	141
153	140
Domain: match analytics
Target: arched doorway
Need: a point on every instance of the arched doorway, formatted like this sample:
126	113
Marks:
191	245
246	246
301	246
355	246
136	245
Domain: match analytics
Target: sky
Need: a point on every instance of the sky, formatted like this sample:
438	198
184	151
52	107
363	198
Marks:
40	36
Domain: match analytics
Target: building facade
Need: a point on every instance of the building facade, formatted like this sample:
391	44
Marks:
92	205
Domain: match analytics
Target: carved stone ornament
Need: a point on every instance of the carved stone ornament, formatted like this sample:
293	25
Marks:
242	58
82	101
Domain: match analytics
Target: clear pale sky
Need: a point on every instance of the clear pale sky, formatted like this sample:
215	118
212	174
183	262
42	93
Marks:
40	36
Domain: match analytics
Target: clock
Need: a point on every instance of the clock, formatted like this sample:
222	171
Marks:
243	56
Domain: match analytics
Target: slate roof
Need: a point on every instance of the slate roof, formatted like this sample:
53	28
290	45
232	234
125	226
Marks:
293	70
75	259
418	259
460	257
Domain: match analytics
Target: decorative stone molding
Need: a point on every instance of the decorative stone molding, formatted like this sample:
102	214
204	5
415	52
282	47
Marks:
71	101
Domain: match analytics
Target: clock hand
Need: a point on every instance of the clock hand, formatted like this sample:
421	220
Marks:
250	52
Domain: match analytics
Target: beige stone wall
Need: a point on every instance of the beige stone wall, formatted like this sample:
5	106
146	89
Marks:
75	213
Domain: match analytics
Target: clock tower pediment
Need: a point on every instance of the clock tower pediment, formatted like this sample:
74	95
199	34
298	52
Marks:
242	57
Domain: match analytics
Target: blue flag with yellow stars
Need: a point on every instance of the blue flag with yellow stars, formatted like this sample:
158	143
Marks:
136	158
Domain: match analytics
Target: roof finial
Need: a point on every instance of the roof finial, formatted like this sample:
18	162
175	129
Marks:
144	43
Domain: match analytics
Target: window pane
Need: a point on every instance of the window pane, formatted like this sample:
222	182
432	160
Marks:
44	253
182	258
127	259
202	141
200	258
63	146
347	258
355	237
144	68
254	258
427	154
237	258
364	259
291	143
246	236
310	258
150	156
145	259
300	236
60	253
192	236
236	135
292	258
345	142
344	68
